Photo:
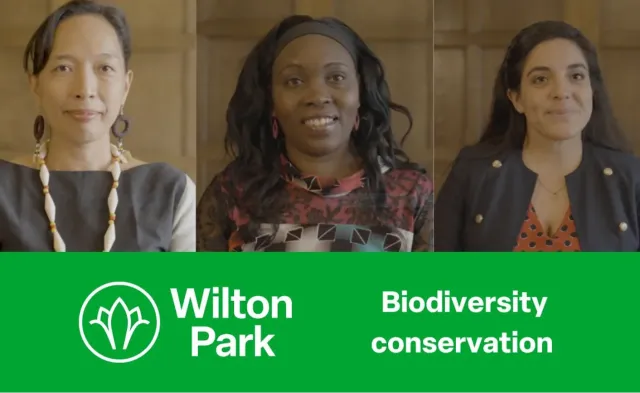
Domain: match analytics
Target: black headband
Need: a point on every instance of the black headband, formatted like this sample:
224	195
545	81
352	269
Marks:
315	27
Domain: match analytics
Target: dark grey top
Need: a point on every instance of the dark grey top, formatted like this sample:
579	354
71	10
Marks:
149	197
604	193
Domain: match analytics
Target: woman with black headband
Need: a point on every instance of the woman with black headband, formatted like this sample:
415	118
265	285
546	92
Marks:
80	192
552	171
316	166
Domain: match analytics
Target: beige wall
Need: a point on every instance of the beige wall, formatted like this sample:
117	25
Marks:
162	102
400	32
472	35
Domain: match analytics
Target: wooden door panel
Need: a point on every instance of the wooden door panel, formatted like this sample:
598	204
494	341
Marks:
620	15
621	76
450	100
164	15
222	62
22	14
511	15
620	57
399	12
244	9
17	112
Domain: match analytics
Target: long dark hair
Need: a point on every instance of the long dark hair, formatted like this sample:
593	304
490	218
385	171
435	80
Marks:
255	168
507	127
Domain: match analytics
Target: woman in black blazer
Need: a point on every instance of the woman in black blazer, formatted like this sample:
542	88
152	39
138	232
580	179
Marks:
552	171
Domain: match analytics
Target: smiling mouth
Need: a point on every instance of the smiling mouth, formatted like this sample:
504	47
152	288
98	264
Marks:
320	122
83	115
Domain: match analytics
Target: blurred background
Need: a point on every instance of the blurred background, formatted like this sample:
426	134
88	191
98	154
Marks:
162	101
400	32
472	35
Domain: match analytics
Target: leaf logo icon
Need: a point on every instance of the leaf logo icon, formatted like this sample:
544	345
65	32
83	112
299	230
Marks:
108	327
96	318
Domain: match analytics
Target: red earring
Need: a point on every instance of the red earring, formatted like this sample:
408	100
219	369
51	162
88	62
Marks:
275	128
357	125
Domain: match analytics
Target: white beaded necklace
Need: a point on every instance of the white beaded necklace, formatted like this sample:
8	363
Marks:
50	207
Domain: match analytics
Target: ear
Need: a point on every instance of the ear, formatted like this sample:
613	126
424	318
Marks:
514	97
34	86
128	80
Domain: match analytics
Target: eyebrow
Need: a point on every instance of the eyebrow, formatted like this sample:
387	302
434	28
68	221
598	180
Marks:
70	57
543	68
297	65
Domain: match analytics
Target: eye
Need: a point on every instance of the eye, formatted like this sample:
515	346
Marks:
337	78
539	79
294	82
62	68
578	76
106	68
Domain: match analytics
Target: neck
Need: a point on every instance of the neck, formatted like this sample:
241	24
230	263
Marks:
336	165
542	154
63	155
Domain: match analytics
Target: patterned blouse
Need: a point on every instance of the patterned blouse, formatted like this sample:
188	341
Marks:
533	238
322	215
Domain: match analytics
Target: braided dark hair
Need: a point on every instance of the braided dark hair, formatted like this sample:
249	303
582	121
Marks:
507	127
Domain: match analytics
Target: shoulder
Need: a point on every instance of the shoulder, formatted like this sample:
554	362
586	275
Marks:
160	177
621	160
221	181
14	172
403	181
22	160
219	190
158	171
625	166
481	152
481	157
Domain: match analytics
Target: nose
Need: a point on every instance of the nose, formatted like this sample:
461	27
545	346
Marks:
85	84
561	89
317	94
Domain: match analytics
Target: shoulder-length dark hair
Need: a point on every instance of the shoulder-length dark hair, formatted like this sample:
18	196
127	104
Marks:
507	127
255	168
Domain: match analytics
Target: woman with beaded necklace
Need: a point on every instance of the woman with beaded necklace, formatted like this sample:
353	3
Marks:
79	192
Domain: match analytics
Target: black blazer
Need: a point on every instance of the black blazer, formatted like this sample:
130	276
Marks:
483	202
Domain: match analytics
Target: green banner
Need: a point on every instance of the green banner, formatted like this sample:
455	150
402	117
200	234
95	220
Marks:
319	322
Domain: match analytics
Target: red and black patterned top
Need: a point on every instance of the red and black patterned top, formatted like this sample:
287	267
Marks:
532	236
323	215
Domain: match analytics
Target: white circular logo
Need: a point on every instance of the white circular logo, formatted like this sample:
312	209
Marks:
119	322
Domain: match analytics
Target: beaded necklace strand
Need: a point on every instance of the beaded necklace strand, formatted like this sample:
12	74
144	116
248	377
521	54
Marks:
50	208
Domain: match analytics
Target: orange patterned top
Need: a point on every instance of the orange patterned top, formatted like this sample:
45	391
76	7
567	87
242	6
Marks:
533	238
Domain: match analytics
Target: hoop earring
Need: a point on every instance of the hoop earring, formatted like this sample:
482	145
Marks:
274	127
38	128
38	134
119	135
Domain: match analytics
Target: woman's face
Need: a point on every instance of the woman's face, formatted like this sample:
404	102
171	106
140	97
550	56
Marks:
85	83
315	95
555	94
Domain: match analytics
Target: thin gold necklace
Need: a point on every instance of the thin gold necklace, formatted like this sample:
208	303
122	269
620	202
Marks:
549	191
